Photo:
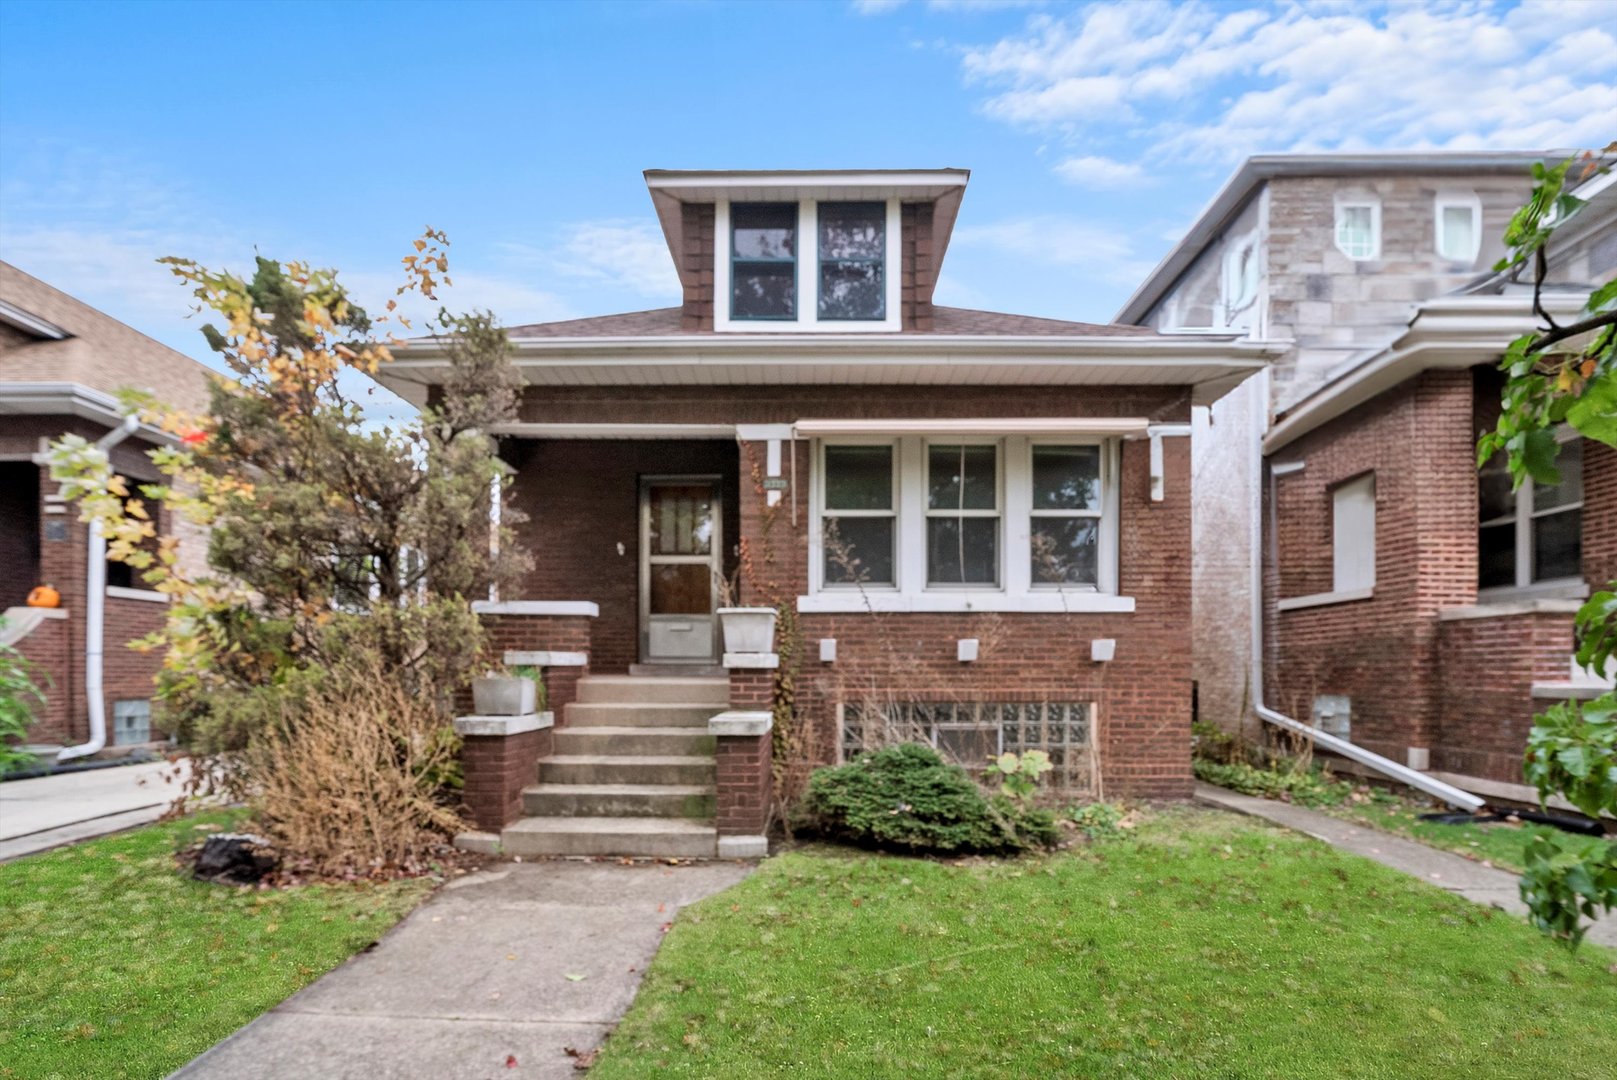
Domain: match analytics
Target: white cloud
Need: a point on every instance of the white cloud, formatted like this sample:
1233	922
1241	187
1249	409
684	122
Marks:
1206	83
1058	241
887	7
627	254
1101	172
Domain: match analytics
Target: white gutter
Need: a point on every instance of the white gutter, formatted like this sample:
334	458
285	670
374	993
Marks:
95	615
1323	740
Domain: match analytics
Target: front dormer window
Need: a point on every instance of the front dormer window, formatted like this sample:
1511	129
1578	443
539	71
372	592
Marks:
853	256
763	261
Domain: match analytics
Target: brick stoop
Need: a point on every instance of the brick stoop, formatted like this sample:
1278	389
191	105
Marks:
633	772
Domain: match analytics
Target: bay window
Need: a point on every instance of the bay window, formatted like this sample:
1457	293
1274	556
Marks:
1016	523
1531	537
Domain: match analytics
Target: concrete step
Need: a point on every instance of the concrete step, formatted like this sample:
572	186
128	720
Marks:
626	769
619	800
629	741
653	690
649	837
679	671
636	714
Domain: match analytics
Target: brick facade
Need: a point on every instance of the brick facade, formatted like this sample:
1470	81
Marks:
582	497
1487	668
743	766
497	768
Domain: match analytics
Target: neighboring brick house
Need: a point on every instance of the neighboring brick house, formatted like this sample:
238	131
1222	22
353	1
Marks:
61	362
1408	604
981	521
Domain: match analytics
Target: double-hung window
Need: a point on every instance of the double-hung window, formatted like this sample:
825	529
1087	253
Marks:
853	256
860	515
962	514
1065	521
763	261
1358	228
1534	535
1459	228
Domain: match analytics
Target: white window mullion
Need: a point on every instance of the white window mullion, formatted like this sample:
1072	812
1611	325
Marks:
911	570
1111	470
1524	534
1016	557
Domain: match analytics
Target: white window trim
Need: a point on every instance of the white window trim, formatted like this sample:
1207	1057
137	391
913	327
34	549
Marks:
124	592
1016	593
1521	521
1374	205
808	276
1230	279
817	494
1467	201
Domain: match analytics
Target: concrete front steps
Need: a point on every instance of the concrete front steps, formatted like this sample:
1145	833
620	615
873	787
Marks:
632	773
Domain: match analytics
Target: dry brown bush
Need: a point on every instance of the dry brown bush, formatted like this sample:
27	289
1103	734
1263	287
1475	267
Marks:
349	778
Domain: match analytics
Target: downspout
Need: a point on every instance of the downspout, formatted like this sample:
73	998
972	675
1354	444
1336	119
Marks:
95	608
1449	794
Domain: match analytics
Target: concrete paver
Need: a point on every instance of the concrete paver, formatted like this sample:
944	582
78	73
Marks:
519	961
48	811
1477	883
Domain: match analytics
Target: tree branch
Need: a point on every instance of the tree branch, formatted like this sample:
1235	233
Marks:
1561	333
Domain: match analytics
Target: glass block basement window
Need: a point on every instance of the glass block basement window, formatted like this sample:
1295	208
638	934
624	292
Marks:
968	733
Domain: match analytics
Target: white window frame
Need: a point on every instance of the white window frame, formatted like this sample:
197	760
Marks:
1015	593
1358	202
998	512
808	274
1521	520
1465	201
821	512
1347	546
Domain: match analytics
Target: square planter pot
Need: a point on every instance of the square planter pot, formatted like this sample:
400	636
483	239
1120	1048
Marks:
503	695
748	630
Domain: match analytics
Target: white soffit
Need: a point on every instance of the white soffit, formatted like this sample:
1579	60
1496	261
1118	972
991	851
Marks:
986	426
615	431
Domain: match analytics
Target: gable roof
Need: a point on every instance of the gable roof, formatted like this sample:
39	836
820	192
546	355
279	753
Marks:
946	321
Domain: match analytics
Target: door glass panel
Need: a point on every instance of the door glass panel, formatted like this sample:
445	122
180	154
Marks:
681	589
858	477
1066	478
681	519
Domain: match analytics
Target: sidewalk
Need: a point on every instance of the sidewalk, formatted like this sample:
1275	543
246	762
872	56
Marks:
1477	883
49	811
494	977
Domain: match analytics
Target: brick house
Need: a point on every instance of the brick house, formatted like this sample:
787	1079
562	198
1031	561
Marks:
1409	604
61	362
979	523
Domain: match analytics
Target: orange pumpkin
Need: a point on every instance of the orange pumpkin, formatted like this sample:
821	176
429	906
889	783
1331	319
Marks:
44	596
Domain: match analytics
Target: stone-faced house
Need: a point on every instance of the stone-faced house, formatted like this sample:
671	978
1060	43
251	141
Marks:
1408	604
978	523
61	364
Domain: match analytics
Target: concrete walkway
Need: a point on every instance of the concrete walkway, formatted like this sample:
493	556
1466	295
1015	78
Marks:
517	962
1477	883
49	811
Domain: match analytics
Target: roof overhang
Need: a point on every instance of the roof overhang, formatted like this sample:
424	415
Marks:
30	323
1450	332
1258	170
1211	365
944	188
69	399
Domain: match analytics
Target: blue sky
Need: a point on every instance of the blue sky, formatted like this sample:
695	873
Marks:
333	132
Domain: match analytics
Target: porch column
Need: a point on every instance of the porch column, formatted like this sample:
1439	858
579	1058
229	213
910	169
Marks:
744	755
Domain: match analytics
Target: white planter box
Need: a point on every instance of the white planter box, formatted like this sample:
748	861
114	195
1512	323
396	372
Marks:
503	695
748	630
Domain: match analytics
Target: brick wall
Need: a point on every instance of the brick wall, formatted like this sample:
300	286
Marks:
1599	514
917	264
1488	667
743	767
696	266
548	633
497	768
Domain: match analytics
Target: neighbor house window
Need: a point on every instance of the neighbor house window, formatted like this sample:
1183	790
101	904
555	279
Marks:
1240	280
1064	525
1533	535
1358	228
860	514
1353	535
763	261
1459	232
853	254
962	514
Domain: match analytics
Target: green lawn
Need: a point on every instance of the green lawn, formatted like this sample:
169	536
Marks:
114	964
1204	945
1498	843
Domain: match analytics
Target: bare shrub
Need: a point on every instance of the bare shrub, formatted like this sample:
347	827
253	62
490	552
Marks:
348	778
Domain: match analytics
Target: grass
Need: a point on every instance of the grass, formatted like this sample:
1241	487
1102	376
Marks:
115	964
1498	843
1203	945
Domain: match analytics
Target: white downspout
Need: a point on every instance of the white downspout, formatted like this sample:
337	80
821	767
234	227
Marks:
1402	773
95	607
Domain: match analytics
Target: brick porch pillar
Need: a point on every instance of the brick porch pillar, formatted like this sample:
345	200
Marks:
744	754
500	756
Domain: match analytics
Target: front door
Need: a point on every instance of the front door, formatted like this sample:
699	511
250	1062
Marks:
680	557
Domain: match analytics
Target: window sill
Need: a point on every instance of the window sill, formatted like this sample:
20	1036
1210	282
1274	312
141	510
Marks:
1324	599
829	603
152	596
1559	589
536	607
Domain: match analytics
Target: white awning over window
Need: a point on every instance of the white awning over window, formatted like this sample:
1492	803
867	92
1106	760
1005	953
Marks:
808	429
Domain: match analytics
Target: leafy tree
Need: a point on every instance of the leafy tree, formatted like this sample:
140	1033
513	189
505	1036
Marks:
1565	373
329	537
